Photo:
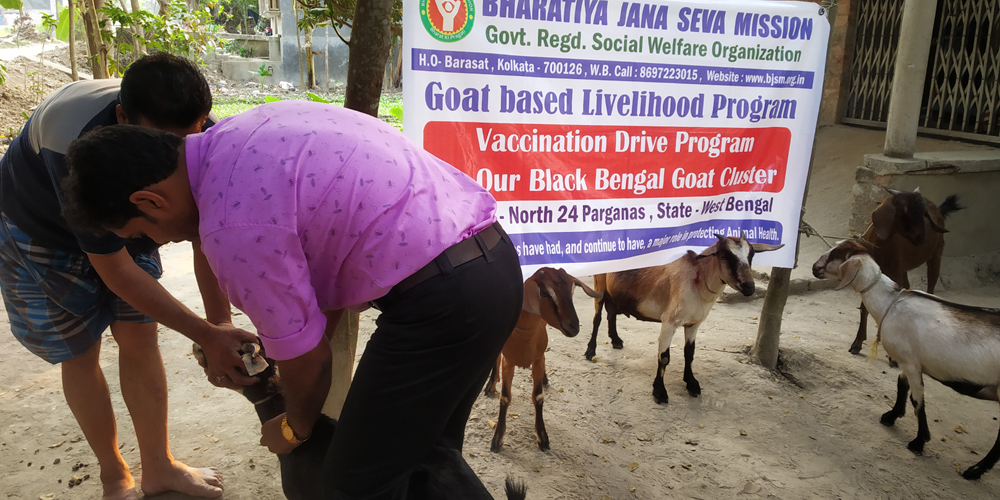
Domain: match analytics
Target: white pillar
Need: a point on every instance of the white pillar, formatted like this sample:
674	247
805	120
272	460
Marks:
912	53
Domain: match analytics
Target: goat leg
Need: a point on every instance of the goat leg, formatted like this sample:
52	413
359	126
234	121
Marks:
862	335
659	391
491	385
902	388
507	375
987	463
538	396
591	352
693	387
613	311
919	407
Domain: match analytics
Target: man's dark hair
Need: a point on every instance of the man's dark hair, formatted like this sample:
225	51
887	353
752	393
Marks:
109	164
165	89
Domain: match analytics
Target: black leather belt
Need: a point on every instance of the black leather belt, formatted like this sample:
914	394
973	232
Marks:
457	254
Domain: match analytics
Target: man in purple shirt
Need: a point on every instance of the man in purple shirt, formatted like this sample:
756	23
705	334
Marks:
303	210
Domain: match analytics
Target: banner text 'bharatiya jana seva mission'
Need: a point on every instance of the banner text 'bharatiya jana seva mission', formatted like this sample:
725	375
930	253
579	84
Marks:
615	134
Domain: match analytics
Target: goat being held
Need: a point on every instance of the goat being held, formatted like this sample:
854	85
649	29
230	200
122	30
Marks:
907	230
955	344
677	294
443	473
548	298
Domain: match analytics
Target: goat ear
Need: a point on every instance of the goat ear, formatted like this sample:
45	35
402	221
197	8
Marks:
936	219
532	302
848	271
587	290
764	247
882	219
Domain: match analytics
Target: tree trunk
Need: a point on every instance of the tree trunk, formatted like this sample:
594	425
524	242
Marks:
164	7
298	43
370	44
765	350
310	61
139	35
72	41
98	52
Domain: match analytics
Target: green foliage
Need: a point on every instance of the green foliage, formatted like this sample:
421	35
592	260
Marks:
48	22
11	4
182	32
341	13
397	112
261	72
224	106
62	27
235	47
3	73
316	98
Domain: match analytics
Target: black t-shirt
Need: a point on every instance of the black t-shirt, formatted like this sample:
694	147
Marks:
32	170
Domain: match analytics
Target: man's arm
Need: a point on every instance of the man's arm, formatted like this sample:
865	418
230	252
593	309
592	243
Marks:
216	301
221	343
305	382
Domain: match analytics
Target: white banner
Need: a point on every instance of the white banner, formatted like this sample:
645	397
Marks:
618	135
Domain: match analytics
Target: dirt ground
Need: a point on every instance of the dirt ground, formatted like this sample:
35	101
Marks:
809	430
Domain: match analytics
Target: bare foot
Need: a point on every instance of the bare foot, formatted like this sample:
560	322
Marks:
118	485
204	482
129	494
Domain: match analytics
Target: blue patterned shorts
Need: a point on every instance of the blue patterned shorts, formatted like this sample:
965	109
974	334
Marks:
57	304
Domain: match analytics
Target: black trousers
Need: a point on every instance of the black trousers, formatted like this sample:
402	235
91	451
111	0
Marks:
421	372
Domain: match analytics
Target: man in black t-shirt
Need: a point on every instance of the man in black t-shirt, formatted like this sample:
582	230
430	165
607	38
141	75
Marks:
63	288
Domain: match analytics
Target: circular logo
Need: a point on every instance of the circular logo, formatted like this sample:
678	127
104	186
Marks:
447	20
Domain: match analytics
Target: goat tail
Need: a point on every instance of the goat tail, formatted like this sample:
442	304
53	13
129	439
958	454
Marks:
515	489
949	205
874	353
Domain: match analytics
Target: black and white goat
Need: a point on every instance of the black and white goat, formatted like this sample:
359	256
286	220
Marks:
442	474
955	344
681	293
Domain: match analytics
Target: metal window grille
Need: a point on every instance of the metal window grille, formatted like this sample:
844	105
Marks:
962	87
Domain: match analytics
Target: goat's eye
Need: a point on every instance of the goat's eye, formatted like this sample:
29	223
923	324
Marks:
543	292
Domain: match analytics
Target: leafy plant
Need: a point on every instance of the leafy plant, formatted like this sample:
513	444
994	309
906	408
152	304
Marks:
181	31
235	47
316	98
261	72
3	73
11	4
397	112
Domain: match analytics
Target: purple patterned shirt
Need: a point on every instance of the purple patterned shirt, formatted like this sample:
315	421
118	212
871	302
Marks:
306	207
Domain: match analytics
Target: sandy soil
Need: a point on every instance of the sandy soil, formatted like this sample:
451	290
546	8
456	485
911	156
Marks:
808	431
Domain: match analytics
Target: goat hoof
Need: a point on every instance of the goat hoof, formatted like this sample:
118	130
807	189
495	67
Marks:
490	392
917	445
543	445
974	472
617	344
694	388
660	395
855	349
888	418
496	445
545	380
590	355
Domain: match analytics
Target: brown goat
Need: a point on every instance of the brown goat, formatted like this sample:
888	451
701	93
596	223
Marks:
907	230
681	293
548	299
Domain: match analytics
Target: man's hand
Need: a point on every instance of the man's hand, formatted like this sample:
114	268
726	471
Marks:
221	345
270	436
